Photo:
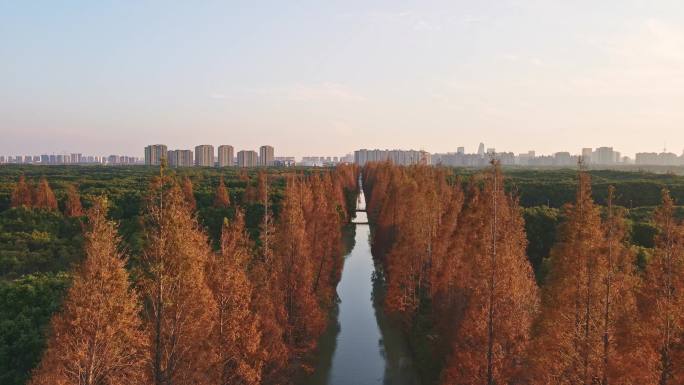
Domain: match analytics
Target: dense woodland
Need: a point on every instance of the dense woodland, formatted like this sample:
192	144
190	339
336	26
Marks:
453	252
123	272
171	304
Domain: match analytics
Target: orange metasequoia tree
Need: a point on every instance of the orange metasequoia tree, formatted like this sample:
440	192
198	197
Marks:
72	207
268	303
405	258
21	195
97	337
43	197
324	237
262	188
570	347
180	308
306	320
621	353
222	199
498	292
663	301
188	194
236	336
446	267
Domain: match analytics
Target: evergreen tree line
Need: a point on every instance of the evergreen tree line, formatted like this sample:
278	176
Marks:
250	312
454	253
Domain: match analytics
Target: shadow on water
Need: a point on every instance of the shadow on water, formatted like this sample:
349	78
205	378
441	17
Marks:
399	365
328	341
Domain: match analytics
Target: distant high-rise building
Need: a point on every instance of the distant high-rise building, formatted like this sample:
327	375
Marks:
225	156
460	150
587	154
154	154
266	156
605	156
526	159
180	158
481	149
562	159
247	158
204	155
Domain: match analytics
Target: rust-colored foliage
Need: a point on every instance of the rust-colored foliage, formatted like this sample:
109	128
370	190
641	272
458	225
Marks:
323	221
72	206
97	337
622	351
236	335
43	197
243	315
267	300
584	331
306	320
262	188
662	301
296	271
497	292
180	307
467	262
21	195
221	199
189	194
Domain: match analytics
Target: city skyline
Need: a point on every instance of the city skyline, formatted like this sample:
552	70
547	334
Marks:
337	76
204	155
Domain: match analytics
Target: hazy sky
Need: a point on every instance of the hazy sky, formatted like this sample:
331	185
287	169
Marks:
325	78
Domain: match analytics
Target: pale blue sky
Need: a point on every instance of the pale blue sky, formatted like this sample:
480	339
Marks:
324	77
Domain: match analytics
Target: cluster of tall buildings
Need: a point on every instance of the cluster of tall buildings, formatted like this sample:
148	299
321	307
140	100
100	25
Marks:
601	156
399	157
204	156
70	159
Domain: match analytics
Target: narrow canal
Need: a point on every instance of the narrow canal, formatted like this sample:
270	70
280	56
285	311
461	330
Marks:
361	346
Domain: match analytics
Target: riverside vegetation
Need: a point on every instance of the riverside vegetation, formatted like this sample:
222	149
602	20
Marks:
171	305
458	278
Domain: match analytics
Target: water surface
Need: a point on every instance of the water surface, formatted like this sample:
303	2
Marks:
361	346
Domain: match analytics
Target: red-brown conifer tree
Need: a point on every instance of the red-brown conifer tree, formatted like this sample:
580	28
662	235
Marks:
97	337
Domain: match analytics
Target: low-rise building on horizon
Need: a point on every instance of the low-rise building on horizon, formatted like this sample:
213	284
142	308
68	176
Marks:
398	157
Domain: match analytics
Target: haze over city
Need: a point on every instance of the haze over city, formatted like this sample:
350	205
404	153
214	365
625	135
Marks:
313	78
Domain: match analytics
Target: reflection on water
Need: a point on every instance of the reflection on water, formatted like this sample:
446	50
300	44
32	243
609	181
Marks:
362	346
